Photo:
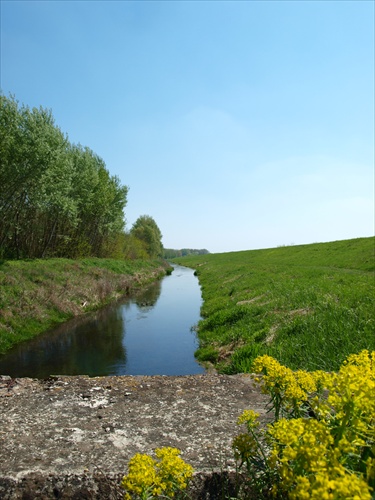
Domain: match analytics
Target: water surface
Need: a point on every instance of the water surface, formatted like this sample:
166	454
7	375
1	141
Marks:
149	334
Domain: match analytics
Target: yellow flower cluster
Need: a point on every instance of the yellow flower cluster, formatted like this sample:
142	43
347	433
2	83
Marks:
248	417
329	454
323	487
288	389
308	464
148	478
351	392
174	472
245	447
142	476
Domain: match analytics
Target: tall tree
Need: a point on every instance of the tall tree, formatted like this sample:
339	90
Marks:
146	230
35	179
55	198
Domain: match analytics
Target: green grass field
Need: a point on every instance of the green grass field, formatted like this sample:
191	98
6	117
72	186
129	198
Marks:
309	306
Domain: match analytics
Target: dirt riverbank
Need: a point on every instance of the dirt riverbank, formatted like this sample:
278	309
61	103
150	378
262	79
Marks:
72	437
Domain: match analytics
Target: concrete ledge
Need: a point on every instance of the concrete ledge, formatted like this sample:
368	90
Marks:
203	486
72	437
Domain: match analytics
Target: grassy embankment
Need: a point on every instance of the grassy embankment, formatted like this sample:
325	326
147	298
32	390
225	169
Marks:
309	306
37	294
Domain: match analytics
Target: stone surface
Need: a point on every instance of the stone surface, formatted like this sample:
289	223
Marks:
72	437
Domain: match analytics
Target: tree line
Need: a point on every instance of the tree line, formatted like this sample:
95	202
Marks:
57	199
170	253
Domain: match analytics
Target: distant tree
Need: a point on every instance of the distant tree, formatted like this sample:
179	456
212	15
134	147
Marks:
133	248
170	253
146	230
194	251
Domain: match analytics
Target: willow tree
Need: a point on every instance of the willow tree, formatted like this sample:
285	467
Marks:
56	199
35	176
101	200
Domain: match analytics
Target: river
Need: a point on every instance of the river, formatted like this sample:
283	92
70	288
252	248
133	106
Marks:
148	334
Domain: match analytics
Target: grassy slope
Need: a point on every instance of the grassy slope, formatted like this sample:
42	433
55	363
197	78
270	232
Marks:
36	294
309	306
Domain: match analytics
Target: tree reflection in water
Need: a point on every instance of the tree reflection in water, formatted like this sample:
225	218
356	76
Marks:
74	348
97	344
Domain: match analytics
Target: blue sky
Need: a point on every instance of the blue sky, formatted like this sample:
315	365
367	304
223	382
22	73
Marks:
236	124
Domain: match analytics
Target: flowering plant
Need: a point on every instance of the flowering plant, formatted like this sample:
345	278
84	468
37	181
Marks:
323	447
289	390
148	478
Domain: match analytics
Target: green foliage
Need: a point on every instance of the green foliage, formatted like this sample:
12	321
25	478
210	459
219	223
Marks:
309	306
146	230
56	199
208	353
242	359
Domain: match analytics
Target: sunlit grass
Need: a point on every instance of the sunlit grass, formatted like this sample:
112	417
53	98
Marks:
309	306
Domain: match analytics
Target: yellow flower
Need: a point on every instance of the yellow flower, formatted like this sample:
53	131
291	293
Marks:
148	477
244	446
172	469
329	454
288	389
248	417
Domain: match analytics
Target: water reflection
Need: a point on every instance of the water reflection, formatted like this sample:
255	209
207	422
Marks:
148	334
149	296
73	348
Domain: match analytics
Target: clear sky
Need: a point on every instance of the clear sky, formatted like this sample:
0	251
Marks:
236	124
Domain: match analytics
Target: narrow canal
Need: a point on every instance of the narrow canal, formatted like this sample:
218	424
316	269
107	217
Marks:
148	334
